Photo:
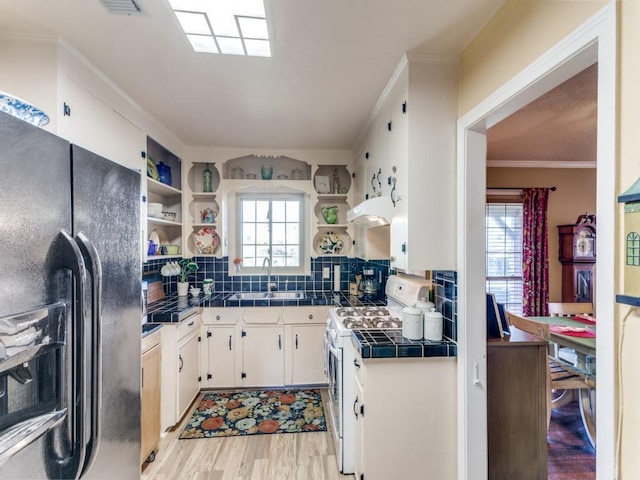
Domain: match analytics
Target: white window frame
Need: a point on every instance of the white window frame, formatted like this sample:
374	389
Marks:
515	307
303	267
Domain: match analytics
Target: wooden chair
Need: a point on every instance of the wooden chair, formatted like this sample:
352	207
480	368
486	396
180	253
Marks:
570	309
560	376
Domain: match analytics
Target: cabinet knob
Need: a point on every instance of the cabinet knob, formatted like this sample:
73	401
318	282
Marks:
310	316
218	317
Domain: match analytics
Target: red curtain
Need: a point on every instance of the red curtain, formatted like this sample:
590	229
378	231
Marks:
535	252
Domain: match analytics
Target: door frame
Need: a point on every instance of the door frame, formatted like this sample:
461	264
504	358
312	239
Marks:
594	41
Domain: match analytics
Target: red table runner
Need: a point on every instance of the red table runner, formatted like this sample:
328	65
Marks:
573	331
585	319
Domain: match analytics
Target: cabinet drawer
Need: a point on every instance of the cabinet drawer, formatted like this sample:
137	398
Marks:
150	341
220	316
262	315
188	326
297	315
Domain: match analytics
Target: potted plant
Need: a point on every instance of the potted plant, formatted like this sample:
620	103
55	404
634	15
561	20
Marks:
187	267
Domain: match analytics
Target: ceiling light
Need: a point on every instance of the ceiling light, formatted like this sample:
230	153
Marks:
234	27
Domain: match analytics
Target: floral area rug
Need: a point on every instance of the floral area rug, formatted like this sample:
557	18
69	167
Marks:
256	412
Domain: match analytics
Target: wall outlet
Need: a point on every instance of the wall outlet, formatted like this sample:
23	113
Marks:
326	272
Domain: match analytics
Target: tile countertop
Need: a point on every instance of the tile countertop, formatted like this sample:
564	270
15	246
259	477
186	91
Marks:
174	309
389	343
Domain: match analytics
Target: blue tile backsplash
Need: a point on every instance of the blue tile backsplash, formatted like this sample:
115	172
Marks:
445	295
218	270
445	283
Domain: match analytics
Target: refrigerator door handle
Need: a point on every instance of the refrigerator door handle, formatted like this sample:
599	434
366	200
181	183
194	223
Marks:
69	257
94	266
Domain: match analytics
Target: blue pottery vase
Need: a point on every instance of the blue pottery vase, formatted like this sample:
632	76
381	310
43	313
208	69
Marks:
164	172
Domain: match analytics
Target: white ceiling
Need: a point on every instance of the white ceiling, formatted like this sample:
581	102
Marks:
331	60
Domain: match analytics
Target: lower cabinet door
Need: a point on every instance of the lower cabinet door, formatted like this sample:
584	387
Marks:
220	368
150	412
308	354
263	356
359	438
188	373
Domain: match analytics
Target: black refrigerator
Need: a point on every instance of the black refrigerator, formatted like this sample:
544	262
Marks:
70	310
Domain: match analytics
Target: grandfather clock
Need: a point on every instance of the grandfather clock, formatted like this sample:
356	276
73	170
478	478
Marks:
578	259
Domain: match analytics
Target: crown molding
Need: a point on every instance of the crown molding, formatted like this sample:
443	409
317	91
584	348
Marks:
426	58
539	164
36	37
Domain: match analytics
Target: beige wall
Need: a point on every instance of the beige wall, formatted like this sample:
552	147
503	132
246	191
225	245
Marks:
576	194
629	171
517	35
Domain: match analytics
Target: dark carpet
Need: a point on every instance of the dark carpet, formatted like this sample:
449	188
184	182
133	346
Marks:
571	456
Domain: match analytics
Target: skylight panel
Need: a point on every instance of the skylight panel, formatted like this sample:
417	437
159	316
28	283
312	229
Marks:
258	48
203	43
234	27
194	23
251	27
230	46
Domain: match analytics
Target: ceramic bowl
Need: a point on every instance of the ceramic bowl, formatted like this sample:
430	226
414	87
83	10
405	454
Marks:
252	176
169	216
172	249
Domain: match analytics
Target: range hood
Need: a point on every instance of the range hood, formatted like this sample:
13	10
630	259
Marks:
373	212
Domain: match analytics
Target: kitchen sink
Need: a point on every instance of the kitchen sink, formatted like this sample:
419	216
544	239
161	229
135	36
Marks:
249	296
289	295
286	295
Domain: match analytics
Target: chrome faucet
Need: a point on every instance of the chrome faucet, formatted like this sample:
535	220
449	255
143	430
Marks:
270	285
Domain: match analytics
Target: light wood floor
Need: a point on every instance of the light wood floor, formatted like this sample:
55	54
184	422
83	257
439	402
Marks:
299	456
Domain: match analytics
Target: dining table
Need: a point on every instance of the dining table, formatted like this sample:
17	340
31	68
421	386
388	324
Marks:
583	342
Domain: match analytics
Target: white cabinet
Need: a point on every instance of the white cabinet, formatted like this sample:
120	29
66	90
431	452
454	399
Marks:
307	355
188	371
263	346
304	335
219	363
358	437
92	124
180	344
412	142
418	407
262	356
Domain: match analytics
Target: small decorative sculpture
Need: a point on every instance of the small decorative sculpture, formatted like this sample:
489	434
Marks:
208	216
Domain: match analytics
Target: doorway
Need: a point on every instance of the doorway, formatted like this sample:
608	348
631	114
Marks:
593	42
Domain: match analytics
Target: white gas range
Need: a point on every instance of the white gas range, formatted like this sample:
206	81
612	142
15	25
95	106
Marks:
341	365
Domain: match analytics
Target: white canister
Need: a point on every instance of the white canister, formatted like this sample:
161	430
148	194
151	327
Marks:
412	323
425	305
433	325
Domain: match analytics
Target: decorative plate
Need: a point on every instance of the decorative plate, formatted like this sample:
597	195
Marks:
207	240
22	110
330	244
152	171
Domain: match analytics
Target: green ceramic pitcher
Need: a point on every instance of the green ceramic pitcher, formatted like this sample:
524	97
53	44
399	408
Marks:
330	214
